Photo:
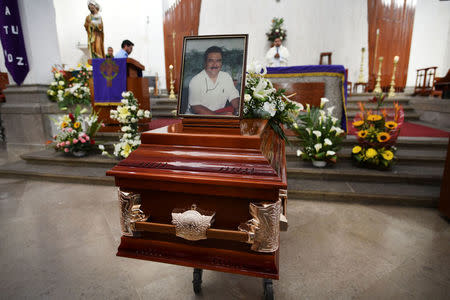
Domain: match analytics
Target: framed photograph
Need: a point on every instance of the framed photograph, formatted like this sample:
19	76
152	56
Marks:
212	81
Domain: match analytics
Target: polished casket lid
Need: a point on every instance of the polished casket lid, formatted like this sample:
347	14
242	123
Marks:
249	156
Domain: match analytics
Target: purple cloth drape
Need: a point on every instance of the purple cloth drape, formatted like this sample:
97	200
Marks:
11	35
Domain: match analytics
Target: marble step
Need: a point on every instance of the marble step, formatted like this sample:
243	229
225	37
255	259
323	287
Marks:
409	115
372	106
52	157
418	157
403	142
344	170
163	108
364	192
94	175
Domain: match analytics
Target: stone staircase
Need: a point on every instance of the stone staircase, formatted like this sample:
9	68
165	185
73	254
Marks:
162	107
403	99
415	180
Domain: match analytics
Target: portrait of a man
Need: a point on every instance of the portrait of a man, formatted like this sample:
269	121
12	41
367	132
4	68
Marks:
212	73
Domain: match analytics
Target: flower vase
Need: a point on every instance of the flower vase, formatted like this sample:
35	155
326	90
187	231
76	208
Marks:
79	153
319	163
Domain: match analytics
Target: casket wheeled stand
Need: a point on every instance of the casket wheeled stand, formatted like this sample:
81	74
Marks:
206	197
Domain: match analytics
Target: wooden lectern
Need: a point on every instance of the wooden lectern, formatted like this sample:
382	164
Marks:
136	84
205	199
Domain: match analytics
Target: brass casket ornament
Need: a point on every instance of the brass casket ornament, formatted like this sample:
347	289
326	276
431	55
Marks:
264	229
192	224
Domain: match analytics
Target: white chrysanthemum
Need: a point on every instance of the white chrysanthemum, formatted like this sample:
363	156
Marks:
147	114
247	97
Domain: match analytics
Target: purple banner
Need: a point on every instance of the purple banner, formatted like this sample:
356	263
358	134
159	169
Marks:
12	41
110	80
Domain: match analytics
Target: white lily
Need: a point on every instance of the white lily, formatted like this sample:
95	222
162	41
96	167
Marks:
299	152
308	130
270	108
339	131
261	91
323	101
330	153
318	147
335	120
328	142
308	107
330	110
317	133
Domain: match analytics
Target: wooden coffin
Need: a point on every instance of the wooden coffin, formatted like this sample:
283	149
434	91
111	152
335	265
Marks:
218	170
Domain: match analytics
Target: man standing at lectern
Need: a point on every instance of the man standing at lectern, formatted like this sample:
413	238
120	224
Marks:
127	47
278	55
212	92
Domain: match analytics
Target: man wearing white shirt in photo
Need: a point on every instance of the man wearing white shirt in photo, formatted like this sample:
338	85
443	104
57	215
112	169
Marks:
278	55
212	92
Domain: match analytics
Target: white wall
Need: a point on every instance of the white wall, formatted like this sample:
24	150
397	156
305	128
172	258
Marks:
39	32
430	44
140	21
312	27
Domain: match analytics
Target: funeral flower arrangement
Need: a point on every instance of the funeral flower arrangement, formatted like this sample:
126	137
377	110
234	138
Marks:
377	132
319	132
70	87
276	31
76	133
263	101
127	114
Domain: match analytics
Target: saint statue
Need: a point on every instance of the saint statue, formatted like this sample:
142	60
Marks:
94	29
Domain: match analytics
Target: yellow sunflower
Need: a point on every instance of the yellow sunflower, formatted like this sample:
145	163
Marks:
371	153
358	123
391	125
383	137
77	125
388	155
356	149
64	124
374	118
362	134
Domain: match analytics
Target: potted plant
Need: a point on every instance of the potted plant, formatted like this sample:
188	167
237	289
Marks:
319	133
377	132
76	133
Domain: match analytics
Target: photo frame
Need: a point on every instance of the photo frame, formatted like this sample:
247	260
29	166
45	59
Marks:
212	81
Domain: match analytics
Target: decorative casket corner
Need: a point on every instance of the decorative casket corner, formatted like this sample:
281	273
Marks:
130	208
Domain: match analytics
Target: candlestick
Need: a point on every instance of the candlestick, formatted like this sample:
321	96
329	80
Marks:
392	89
377	89
361	69
156	91
172	93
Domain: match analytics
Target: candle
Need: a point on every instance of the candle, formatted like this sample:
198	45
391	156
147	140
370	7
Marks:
171	67
396	58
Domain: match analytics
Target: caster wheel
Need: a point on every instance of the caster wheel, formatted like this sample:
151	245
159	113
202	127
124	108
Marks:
197	282
268	289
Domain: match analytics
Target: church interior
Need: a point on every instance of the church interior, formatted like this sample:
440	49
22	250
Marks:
324	173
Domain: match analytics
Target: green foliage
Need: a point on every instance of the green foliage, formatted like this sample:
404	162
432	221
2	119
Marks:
319	133
276	31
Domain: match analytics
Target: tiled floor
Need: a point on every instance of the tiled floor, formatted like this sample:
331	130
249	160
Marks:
58	241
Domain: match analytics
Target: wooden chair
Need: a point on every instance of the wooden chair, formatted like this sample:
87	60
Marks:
442	86
363	84
425	81
325	54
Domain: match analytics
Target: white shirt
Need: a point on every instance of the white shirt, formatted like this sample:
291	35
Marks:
282	61
214	96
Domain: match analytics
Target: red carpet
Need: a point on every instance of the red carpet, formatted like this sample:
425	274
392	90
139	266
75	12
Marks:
410	129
